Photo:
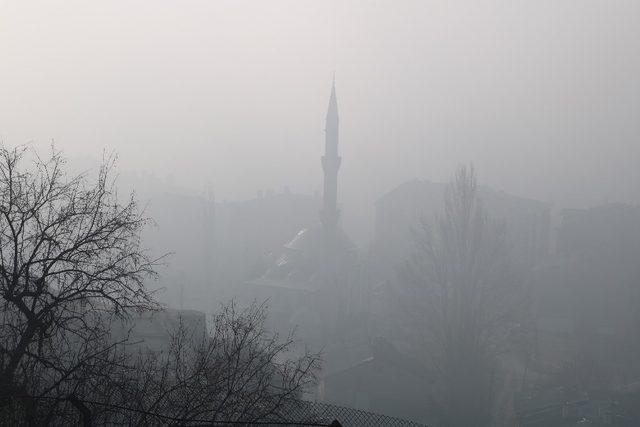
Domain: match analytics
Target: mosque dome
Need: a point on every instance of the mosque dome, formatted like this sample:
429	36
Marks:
312	241
311	255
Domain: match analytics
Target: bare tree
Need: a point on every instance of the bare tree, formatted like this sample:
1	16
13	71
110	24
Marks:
72	268
465	299
238	373
70	260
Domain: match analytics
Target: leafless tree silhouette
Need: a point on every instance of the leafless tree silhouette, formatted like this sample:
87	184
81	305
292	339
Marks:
465	298
71	268
238	373
70	259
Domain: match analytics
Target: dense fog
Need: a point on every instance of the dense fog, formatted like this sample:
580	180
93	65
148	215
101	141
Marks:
440	199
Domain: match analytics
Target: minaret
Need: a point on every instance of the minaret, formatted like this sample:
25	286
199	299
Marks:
331	164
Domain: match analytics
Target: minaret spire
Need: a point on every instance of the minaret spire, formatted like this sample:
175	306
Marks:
331	163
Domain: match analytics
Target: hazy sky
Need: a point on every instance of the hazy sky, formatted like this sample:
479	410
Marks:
543	96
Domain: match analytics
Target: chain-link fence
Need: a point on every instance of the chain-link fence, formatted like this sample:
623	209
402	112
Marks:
324	414
295	413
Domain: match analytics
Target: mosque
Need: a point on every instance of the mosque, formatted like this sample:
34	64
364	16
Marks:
311	283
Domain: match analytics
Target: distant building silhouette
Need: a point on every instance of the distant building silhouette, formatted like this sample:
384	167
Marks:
585	302
401	209
215	246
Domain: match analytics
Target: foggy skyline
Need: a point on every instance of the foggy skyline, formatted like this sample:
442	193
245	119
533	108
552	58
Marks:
347	213
541	96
